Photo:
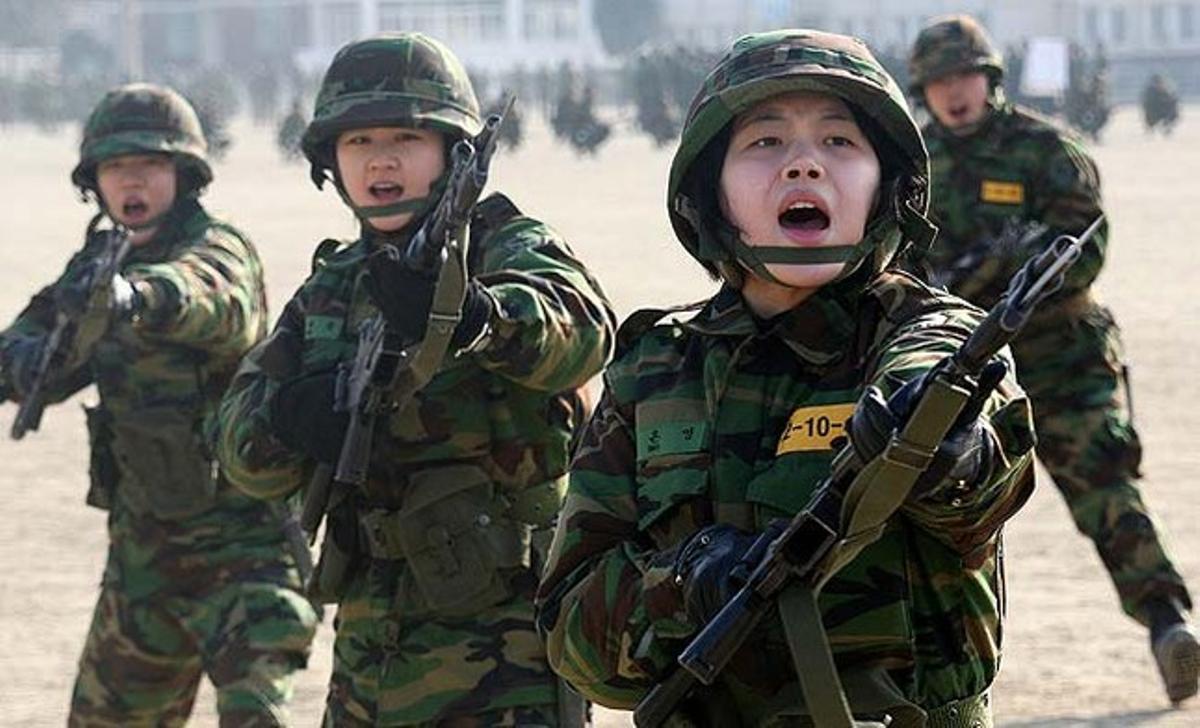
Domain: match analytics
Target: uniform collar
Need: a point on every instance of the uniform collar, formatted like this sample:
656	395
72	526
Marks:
820	330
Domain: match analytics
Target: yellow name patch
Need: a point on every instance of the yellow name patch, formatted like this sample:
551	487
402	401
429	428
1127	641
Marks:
814	428
1002	193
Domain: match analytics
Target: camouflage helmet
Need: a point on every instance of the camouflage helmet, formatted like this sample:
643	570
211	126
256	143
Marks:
760	66
952	44
395	79
141	118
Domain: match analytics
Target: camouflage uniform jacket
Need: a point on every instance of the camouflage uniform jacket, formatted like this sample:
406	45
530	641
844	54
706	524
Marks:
508	410
1001	194
160	379
727	419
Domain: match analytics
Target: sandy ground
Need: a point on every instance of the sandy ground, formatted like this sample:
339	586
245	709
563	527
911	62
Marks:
1072	659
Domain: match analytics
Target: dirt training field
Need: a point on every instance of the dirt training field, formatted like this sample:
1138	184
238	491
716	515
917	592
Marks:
1072	658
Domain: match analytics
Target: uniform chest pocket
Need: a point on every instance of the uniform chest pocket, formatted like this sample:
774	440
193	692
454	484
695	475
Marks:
673	456
786	486
667	482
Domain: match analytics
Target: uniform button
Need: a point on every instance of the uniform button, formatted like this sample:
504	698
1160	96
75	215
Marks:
483	520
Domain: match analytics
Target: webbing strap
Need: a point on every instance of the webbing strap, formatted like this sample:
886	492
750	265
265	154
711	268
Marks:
812	658
886	482
445	311
871	499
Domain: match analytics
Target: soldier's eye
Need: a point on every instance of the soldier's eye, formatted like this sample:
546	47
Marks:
767	141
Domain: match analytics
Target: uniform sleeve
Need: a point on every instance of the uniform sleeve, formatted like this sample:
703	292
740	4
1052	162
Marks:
553	327
36	320
250	455
211	297
607	602
964	515
1068	201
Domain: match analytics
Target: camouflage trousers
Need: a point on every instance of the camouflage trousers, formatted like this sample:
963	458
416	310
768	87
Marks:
486	669
1072	368
144	657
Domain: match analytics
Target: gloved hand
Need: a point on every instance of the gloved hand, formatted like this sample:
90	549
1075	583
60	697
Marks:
715	562
404	297
474	327
124	300
965	454
302	416
19	360
402	294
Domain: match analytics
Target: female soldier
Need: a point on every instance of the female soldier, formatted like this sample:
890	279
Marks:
435	617
198	579
799	177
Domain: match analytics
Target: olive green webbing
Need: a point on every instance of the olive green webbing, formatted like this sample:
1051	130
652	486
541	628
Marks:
789	255
879	489
884	484
445	311
812	658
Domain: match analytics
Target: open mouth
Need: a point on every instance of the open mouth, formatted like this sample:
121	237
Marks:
803	216
386	191
959	112
134	209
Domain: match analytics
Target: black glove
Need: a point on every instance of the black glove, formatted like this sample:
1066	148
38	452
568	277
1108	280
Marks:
402	294
715	562
302	416
965	454
474	328
19	361
404	297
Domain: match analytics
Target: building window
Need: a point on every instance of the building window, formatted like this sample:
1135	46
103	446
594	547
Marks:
1158	22
1091	24
341	23
1116	18
1187	21
551	19
447	20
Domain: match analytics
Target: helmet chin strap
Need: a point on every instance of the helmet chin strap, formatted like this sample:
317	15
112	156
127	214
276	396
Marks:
757	258
418	206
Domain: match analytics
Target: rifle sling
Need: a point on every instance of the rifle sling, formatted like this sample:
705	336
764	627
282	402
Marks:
445	311
812	659
872	497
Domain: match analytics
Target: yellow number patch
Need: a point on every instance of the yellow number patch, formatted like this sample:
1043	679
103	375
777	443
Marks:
814	428
1002	193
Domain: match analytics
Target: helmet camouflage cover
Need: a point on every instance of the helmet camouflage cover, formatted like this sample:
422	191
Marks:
398	79
951	44
763	65
141	118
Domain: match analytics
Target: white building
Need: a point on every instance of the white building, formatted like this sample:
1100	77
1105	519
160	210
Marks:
493	35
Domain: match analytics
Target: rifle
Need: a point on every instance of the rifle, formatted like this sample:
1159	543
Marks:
386	371
94	282
1011	240
830	530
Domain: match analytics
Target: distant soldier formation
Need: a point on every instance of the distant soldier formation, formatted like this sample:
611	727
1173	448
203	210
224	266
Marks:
787	506
1160	105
